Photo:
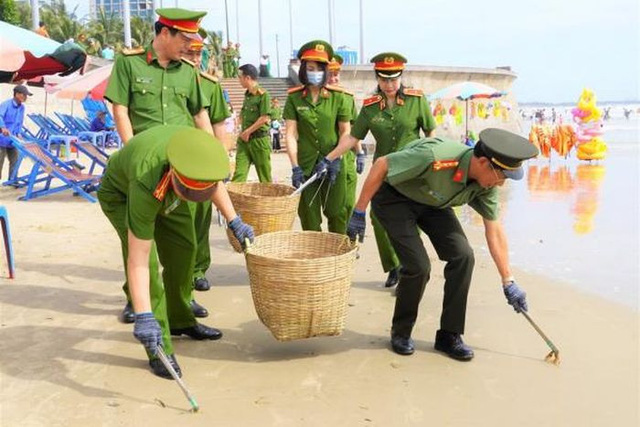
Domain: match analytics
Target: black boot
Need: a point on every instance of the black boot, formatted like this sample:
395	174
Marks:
128	316
452	344
197	309
201	284
158	368
393	278
402	345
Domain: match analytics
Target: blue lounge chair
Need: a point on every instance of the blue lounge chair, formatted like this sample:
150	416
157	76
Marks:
47	168
97	156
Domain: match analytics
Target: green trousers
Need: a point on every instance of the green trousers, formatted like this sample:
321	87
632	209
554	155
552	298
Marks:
257	152
202	223
403	219
174	247
330	200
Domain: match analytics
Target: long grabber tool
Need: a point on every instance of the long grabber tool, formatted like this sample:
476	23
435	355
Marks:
167	364
554	355
307	183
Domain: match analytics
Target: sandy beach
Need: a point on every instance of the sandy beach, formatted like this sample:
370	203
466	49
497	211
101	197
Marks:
66	360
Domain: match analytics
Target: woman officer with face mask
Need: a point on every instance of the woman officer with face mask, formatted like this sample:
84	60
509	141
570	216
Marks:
394	115
317	115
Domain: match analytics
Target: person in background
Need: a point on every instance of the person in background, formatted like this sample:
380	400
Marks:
416	189
11	120
218	113
317	115
99	124
42	29
276	125
254	143
395	115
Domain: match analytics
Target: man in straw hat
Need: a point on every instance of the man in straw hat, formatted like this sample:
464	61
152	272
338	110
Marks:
149	193
415	189
152	86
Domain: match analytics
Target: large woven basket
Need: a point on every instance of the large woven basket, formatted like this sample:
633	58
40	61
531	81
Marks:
266	207
300	282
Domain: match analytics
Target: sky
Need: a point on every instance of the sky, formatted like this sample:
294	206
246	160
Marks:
556	47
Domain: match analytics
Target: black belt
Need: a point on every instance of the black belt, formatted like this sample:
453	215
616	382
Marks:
259	134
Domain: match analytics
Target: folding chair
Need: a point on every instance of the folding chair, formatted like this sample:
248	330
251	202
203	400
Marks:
47	167
98	157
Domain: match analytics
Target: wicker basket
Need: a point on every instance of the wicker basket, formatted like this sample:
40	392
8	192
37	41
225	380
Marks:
266	207
300	282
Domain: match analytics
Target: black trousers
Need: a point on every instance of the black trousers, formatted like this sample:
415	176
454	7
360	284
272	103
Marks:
12	154
403	219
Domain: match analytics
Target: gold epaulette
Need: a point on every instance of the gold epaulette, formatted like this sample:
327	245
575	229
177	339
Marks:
260	91
444	164
186	61
209	76
339	89
372	100
295	89
134	51
413	92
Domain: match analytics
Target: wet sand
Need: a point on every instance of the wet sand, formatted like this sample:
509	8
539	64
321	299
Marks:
66	360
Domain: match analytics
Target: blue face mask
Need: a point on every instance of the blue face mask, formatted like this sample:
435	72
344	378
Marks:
315	78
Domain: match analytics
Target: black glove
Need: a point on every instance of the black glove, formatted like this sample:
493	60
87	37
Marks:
297	177
321	167
356	226
360	163
147	331
241	230
333	170
516	297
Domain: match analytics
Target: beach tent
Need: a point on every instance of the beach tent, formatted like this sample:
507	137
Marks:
27	55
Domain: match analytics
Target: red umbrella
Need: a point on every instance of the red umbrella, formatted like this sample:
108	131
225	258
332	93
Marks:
92	84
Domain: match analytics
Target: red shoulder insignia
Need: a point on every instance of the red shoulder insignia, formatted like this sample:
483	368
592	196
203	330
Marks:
439	165
372	100
457	177
163	186
208	76
413	92
295	89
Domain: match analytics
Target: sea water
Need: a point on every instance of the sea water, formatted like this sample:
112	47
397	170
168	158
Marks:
578	221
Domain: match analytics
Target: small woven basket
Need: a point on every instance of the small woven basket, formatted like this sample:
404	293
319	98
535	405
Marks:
266	207
300	282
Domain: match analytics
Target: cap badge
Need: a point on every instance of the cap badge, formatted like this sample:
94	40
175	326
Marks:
320	48
388	60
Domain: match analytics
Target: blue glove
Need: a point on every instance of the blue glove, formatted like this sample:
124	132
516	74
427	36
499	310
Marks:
241	230
297	177
147	331
516	297
321	167
356	226
333	170
360	163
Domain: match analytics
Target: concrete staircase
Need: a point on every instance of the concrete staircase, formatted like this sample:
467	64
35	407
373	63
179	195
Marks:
277	88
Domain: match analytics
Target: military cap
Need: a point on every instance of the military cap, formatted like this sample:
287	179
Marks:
316	50
198	161
187	21
388	64
336	63
505	150
197	43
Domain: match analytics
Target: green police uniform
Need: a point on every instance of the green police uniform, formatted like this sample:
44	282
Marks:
424	181
218	112
136	195
257	150
155	95
392	129
317	136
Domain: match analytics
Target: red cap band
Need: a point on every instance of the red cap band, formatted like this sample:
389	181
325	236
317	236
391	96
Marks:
180	25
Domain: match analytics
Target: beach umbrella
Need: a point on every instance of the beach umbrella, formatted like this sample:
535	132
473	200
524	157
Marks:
465	91
92	84
40	55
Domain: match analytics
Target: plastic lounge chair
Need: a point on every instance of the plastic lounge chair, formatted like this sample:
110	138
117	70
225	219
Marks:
47	167
6	233
51	134
98	157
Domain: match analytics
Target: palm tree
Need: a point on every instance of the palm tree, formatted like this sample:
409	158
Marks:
107	28
61	24
142	32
